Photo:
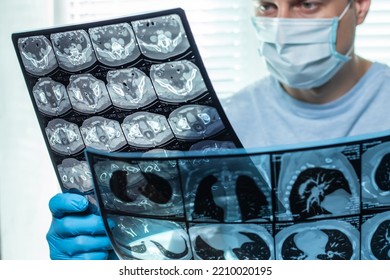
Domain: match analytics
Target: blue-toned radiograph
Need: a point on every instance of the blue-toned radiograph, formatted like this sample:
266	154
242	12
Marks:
231	242
320	183
376	176
150	239
375	237
151	188
230	207
212	146
155	192
228	190
320	240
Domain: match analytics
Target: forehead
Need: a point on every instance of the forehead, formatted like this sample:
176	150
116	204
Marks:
317	8
296	1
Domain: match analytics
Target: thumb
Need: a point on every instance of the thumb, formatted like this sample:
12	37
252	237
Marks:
67	203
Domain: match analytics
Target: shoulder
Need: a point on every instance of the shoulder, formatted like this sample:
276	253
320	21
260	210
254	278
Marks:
380	70
376	81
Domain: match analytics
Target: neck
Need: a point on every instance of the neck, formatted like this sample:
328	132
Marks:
338	86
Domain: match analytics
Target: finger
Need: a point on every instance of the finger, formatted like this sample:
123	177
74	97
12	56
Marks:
71	226
65	203
91	256
85	244
84	256
81	244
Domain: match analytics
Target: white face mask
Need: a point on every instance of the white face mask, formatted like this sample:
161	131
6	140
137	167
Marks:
301	53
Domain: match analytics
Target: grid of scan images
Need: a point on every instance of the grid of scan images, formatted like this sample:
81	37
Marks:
132	95
314	203
128	84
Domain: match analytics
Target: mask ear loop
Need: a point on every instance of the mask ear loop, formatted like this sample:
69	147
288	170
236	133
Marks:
345	10
349	52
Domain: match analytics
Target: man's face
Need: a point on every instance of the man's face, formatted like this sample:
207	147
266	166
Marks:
314	9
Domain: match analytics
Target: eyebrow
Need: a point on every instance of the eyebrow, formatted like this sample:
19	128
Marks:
288	1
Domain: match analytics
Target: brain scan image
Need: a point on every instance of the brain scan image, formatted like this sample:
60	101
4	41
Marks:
319	183
321	240
102	134
375	237
51	97
144	129
88	94
147	239
226	190
73	50
114	44
37	55
130	88
151	189
195	122
161	37
177	81
64	137
376	174
231	242
75	175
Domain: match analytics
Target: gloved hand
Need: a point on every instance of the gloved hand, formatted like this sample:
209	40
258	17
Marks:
74	234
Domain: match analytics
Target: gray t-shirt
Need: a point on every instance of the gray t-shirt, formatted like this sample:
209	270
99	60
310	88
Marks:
263	114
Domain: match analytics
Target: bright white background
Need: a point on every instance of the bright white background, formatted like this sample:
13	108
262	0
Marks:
27	178
194	270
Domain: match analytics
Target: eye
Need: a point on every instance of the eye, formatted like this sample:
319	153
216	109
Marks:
308	6
264	8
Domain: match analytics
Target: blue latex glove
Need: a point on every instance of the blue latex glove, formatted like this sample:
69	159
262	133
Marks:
75	234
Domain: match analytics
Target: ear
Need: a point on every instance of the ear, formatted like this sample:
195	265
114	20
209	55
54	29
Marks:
362	7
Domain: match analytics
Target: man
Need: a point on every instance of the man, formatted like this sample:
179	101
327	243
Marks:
318	89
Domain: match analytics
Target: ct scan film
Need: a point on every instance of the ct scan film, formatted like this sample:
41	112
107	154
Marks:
325	202
129	84
131	121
